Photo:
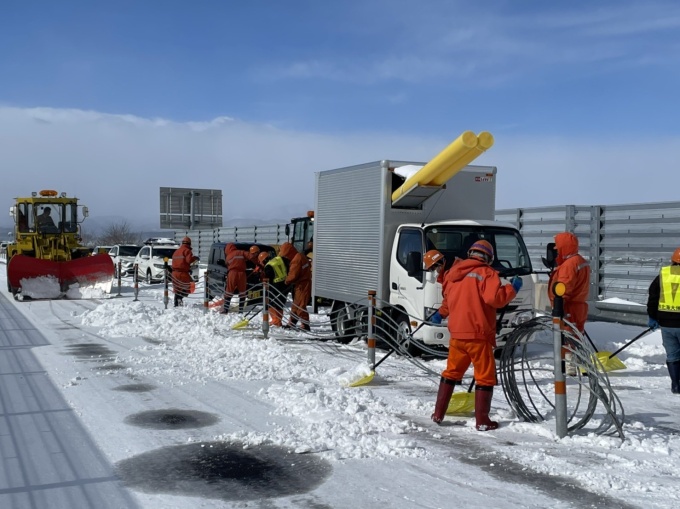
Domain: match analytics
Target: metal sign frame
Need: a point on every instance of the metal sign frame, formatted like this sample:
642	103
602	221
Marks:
190	209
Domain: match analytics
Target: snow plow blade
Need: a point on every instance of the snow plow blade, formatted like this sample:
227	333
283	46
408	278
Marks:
87	272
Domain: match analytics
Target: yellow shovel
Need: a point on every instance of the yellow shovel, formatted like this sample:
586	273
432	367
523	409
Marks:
604	360
242	324
462	403
363	380
369	378
611	363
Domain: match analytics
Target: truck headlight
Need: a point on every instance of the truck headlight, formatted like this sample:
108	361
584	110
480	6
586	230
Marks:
521	318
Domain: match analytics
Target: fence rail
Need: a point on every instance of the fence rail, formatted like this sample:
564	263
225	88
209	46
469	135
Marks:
626	246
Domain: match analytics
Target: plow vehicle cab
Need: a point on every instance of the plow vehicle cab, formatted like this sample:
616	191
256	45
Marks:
47	243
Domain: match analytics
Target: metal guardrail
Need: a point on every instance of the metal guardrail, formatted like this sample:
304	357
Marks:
625	244
201	240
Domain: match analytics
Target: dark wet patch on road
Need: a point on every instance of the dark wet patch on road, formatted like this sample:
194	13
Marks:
91	351
172	418
224	471
110	367
135	388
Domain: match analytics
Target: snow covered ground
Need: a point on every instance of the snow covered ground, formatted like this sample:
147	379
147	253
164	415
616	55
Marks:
158	388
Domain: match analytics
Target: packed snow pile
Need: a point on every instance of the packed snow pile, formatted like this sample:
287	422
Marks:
305	382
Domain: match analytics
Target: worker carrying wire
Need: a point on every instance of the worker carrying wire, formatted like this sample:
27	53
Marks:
473	292
182	260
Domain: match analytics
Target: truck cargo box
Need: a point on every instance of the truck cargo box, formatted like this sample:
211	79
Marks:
356	221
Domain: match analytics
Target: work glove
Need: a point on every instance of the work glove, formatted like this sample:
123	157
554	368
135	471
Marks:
516	283
653	324
436	318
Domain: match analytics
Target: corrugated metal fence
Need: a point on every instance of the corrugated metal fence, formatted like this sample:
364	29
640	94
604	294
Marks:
625	244
201	240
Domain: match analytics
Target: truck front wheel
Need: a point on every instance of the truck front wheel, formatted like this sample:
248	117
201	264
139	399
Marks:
404	339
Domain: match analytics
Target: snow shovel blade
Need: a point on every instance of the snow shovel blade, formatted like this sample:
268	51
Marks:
90	271
363	380
242	324
461	403
607	361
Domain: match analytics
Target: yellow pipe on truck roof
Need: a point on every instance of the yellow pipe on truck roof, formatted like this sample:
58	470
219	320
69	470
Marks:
441	163
484	142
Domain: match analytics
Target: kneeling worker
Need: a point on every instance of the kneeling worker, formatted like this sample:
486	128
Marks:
276	271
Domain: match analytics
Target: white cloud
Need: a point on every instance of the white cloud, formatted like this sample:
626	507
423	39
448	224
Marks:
117	163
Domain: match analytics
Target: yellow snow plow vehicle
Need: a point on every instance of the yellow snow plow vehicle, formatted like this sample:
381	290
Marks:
47	244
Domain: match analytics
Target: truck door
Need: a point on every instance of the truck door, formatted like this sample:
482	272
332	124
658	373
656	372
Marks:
405	290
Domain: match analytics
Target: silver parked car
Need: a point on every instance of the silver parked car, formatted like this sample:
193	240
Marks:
125	254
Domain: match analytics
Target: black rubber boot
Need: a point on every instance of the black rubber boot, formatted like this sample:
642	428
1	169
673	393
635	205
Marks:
483	396
674	371
443	397
176	301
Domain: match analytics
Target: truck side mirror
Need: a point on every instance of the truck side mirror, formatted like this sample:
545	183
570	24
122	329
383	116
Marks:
414	264
550	259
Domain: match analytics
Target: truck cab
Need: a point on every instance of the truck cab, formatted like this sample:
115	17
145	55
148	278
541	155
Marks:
418	293
300	232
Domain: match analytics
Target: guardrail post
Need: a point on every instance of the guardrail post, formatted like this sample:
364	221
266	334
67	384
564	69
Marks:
165	281
136	279
206	294
370	335
558	351
120	265
265	307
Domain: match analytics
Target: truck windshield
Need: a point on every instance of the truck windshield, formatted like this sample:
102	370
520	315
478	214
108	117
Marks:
512	258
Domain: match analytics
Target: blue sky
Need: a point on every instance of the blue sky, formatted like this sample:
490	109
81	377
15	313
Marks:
329	76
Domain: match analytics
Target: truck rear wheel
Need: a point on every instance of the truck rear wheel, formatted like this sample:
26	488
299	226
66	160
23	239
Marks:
343	322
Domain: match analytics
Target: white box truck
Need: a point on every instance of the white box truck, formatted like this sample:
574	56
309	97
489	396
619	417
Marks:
365	240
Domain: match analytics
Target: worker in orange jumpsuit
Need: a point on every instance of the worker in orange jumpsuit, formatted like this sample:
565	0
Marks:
182	260
236	261
300	276
574	271
474	292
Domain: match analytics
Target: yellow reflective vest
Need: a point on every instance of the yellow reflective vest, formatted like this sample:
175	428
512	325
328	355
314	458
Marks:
669	285
279	267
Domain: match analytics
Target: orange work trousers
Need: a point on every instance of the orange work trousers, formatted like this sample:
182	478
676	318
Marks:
236	285
302	295
479	353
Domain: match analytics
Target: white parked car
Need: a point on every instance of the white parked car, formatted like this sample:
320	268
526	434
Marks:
126	255
150	261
